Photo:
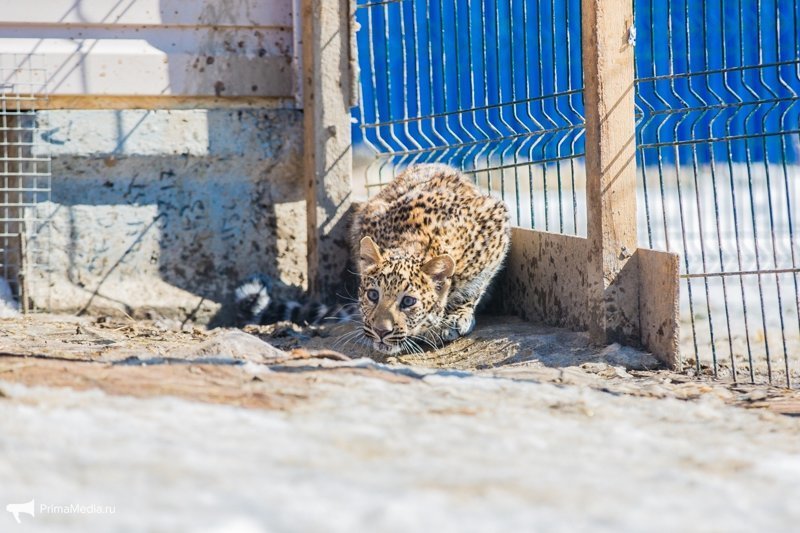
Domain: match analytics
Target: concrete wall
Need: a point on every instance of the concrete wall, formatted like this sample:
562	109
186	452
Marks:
176	139
166	210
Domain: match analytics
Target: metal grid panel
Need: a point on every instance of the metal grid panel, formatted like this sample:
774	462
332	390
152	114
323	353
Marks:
453	81
717	88
494	87
25	175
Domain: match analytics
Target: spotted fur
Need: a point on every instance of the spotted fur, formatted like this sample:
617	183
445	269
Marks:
428	245
255	305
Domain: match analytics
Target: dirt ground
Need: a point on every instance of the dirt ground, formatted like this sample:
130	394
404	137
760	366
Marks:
147	358
281	428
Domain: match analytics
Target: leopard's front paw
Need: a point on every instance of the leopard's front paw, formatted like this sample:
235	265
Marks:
465	325
450	334
459	325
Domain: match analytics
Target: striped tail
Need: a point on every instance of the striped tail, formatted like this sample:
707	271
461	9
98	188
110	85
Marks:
255	305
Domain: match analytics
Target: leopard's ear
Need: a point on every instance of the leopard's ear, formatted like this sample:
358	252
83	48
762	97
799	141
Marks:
440	268
370	254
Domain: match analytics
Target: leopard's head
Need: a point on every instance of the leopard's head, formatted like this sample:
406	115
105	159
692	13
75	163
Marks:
401	297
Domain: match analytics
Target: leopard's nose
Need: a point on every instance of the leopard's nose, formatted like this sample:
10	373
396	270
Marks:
382	333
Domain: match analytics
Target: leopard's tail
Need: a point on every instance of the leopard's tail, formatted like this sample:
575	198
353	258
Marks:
255	305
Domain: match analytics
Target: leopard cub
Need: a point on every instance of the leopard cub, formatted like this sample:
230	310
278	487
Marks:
428	246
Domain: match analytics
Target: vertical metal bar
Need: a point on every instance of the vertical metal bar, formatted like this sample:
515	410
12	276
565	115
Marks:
712	168
658	139
575	113
555	106
677	163
748	161
526	66
430	81
729	154
540	65
22	276
461	105
418	70
472	85
790	228
697	190
765	155
502	121
495	131
512	51
639	129
407	136
367	134
443	66
686	255
400	144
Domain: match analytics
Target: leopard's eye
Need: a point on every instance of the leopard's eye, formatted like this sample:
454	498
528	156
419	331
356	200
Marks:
373	295
407	302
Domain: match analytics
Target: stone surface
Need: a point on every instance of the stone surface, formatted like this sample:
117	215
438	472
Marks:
231	346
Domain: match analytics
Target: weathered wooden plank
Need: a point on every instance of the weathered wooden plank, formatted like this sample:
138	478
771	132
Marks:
221	62
610	170
327	156
218	13
545	282
153	48
659	304
85	101
545	279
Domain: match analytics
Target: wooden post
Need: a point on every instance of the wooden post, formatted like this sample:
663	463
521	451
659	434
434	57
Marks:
612	273
327	166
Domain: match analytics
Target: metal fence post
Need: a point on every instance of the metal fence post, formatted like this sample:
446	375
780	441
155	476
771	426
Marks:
612	273
327	160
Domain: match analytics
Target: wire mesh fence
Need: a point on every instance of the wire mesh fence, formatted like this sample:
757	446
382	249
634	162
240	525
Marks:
25	176
452	81
495	87
718	149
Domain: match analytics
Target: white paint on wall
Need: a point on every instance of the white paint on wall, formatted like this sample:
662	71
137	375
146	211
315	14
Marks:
150	47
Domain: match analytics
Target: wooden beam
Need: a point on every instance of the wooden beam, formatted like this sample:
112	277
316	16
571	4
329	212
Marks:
545	279
545	282
88	101
328	163
612	278
659	305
